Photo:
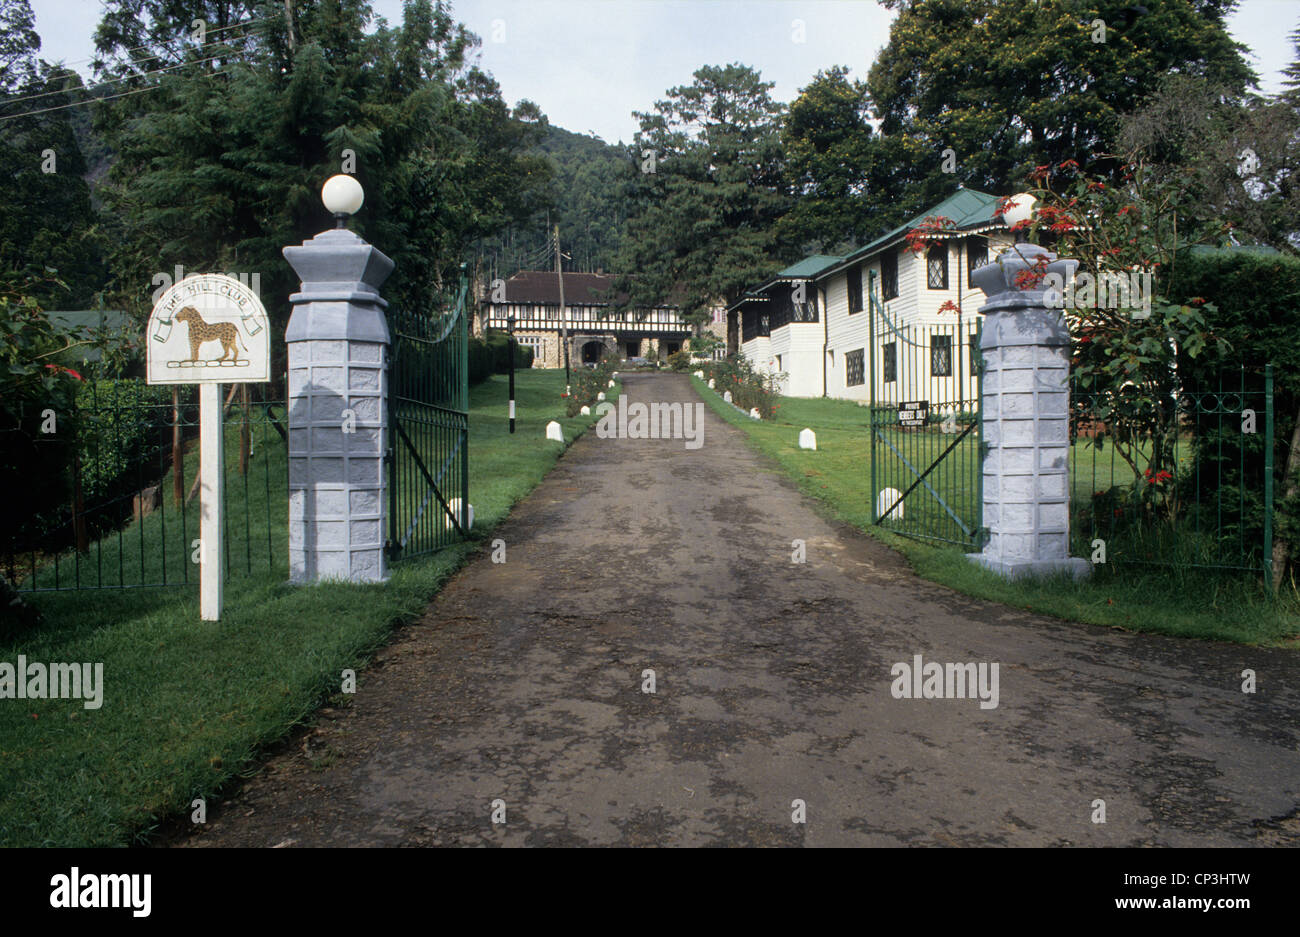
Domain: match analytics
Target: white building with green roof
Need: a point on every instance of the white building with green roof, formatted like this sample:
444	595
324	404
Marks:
815	321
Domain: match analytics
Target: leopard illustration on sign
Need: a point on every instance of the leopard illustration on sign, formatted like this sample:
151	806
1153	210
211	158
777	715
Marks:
208	328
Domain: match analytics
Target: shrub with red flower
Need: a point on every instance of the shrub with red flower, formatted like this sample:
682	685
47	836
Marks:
920	238
1122	361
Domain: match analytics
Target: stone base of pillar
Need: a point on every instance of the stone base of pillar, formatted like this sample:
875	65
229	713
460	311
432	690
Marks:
1074	566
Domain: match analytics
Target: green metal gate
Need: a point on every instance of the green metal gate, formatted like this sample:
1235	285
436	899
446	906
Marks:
924	424
428	419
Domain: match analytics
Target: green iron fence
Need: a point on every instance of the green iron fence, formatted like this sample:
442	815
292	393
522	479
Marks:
924	427
428	464
123	512
1175	476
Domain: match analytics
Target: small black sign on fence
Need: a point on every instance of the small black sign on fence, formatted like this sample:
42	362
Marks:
913	412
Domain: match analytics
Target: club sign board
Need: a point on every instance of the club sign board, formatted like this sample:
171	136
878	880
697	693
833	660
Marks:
208	329
913	412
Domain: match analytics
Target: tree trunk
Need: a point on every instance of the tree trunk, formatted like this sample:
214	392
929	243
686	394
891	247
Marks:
1281	547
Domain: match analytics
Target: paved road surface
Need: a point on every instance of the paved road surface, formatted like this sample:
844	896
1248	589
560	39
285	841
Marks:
524	683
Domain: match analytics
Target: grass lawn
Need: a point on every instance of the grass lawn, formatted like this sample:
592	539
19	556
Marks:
189	704
1176	600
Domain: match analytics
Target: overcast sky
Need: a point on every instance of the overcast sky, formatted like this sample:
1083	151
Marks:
590	63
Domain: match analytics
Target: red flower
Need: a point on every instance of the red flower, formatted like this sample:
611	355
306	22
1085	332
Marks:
1069	164
60	368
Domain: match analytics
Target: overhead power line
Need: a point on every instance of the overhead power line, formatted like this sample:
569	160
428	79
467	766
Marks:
107	97
114	81
219	29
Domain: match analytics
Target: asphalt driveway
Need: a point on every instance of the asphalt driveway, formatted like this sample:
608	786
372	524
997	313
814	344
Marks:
523	685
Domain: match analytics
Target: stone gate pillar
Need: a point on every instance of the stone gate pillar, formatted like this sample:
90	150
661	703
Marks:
338	423
1025	420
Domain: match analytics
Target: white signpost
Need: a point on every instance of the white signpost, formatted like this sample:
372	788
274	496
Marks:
209	330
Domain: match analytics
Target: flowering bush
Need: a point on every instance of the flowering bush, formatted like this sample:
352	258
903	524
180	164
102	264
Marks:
1125	346
750	388
587	383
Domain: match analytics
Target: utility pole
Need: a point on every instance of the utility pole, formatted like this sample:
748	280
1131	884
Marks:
564	311
288	22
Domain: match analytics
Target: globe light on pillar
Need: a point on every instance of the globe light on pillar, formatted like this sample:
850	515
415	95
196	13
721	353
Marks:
1020	209
343	196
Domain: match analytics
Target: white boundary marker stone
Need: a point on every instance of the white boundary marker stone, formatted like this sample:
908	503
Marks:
726	395
454	504
807	439
886	498
585	411
601	395
553	431
753	413
712	384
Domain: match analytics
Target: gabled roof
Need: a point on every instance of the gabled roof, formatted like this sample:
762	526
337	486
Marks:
543	287
809	267
969	209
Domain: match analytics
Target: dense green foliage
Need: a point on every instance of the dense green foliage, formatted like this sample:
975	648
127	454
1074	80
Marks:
219	166
491	355
708	194
585	198
49	232
1011	84
1257	312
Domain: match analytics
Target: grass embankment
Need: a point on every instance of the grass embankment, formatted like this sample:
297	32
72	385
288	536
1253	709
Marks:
188	704
1174	600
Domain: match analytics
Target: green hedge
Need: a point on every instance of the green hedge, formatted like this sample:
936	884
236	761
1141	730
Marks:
491	355
1258	312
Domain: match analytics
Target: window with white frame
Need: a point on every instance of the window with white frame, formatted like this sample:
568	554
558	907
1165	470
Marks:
531	341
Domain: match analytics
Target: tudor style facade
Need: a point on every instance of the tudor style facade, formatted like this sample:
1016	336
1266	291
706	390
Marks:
919	352
532	297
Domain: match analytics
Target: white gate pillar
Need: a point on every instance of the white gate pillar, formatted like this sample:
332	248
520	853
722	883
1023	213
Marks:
338	419
1025	420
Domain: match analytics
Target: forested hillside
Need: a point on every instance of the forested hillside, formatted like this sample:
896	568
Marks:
587	198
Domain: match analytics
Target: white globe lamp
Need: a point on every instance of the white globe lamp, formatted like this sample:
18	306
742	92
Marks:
343	196
1019	209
